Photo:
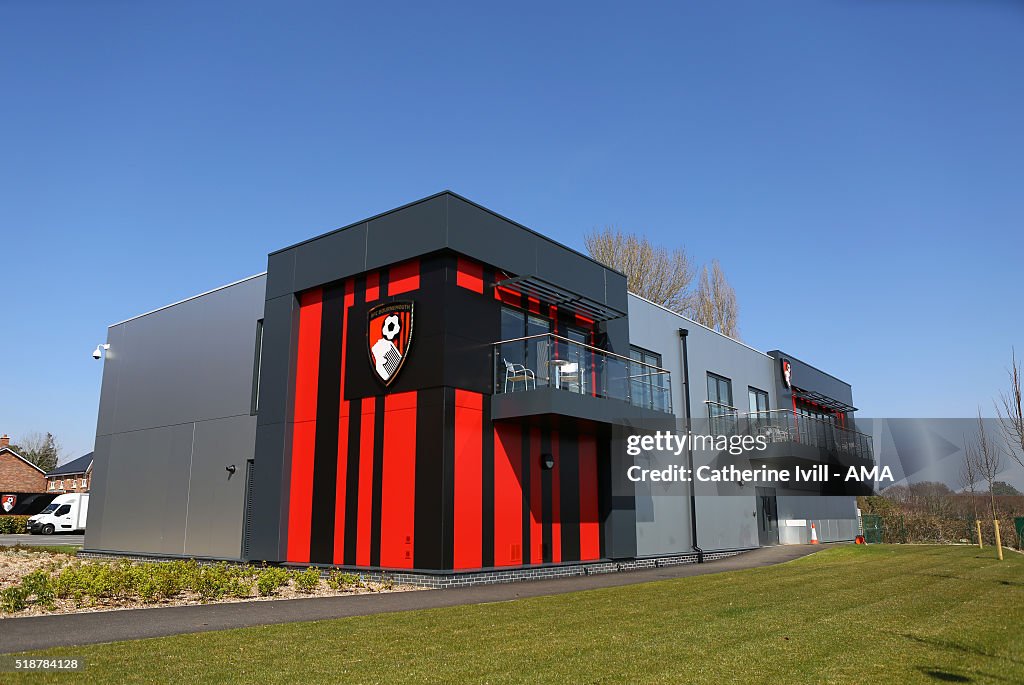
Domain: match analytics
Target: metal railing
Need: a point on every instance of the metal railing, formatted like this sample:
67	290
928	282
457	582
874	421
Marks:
785	425
551	361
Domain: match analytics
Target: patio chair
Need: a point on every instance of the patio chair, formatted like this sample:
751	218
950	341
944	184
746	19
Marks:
515	373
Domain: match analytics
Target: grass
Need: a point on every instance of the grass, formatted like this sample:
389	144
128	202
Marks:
49	549
845	615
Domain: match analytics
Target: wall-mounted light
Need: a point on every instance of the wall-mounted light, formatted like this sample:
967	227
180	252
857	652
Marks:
100	350
547	461
230	469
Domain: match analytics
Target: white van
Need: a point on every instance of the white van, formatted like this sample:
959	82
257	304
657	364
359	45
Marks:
65	514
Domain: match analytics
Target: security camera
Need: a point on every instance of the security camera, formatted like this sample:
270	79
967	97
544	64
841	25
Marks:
100	349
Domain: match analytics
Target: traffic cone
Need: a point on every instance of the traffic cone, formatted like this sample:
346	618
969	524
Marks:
814	535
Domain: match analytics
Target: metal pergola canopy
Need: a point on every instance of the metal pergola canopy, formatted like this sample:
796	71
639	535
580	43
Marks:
549	293
823	400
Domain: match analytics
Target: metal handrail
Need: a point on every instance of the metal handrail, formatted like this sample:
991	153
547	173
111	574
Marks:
809	418
724	406
589	347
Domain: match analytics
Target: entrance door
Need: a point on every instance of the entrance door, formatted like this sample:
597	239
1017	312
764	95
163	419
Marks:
767	517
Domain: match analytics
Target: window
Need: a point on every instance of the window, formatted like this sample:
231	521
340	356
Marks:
758	400
646	386
257	362
62	510
719	391
533	352
53	485
84	483
721	413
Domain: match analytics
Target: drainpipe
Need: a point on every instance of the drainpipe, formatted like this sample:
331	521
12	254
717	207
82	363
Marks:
684	358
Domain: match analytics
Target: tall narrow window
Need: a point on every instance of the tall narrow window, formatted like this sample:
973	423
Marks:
758	400
257	362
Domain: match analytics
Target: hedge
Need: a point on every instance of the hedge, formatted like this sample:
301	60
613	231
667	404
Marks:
13	525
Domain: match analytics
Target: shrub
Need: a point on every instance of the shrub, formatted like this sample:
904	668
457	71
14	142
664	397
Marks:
13	599
307	581
39	585
270	579
13	525
339	580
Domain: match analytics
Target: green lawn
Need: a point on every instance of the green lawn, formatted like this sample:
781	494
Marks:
877	614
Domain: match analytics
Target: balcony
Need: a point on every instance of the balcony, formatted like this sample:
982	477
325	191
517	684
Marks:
792	434
550	374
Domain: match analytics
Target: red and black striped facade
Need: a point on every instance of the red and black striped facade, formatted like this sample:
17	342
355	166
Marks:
416	475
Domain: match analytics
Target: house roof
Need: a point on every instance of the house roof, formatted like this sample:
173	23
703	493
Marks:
80	465
10	451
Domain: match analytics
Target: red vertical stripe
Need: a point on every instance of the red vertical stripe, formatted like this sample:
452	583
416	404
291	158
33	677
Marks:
342	476
372	286
508	496
536	501
300	498
590	529
470	275
365	504
398	487
468	533
404	277
556	504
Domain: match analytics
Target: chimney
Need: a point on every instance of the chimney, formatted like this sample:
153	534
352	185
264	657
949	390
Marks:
5	440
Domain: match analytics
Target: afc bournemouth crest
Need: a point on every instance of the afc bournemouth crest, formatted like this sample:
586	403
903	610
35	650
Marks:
8	502
389	333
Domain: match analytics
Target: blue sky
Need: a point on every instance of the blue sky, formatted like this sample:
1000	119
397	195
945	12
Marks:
855	166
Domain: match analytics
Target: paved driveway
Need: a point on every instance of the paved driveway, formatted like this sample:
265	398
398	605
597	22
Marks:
42	540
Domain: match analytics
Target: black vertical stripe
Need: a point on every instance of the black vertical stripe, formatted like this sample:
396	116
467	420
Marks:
427	503
524	429
569	504
448	481
325	451
377	494
355	343
487	491
546	505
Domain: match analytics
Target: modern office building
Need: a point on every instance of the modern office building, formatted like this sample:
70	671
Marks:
441	389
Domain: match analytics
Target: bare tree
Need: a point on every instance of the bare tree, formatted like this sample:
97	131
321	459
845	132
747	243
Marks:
42	449
652	271
990	463
1011	413
714	303
969	479
665	277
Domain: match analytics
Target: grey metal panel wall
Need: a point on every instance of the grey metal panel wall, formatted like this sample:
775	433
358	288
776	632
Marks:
174	413
724	521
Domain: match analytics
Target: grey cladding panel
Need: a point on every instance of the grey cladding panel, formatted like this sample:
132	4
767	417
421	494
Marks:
143	497
279	322
411	232
108	391
489	238
97	491
558	265
216	499
189	362
329	258
280	273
